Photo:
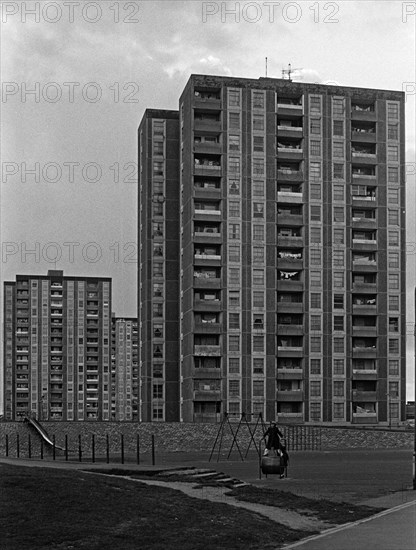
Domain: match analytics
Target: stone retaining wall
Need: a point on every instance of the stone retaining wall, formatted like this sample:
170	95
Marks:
187	437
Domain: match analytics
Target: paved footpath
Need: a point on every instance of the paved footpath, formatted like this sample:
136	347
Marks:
393	529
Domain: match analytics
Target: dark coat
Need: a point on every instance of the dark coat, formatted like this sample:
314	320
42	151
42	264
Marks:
273	434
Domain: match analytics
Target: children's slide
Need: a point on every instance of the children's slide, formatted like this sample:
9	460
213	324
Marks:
42	432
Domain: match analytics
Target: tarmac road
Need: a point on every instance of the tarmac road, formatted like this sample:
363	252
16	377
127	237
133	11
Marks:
393	529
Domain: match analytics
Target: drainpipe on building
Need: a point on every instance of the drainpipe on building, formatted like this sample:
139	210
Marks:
414	438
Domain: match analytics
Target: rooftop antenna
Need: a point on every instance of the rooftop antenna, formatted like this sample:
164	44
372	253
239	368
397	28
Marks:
266	67
286	73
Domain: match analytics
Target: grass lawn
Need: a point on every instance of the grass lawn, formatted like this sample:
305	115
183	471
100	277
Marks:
51	509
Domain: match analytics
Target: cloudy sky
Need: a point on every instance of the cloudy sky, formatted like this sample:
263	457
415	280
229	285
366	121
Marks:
94	70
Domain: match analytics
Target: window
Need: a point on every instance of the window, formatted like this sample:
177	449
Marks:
258	210
315	388
394	389
393	153
258	232
338	149
393	131
234	276
338	366
157	269
393	281
315	105
258	299
393	217
258	254
258	343
338	128
338	171
234	142
338	193
394	410
258	388
393	238
338	388
258	100
393	196
393	303
234	98
316	325
158	330
338	279
339	215
315	148
158	128
258	144
393	346
316	300
157	413
339	344
234	209
233	343
315	126
234	121
158	168
157	148
315	171
258	167
338	411
394	259
315	344
315	366
234	231
158	290
315	256
315	191
315	235
234	165
258	321
258	276
258	188
393	324
234	298
258	122
234	409
233	186
234	321
234	388
258	365
233	253
315	213
315	411
338	322
392	111
315	278
157	310
338	301
338	258
393	174
394	367
157	391
234	365
338	107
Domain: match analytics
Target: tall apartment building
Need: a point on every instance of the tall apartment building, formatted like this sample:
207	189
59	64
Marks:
158	283
291	248
124	369
57	344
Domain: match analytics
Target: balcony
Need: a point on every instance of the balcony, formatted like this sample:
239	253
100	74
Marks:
363	113
207	418
289	175
206	212
207	125
207	351
364	352
207	305
289	106
364	396
290	197
290	307
290	153
288	241
211	257
362	330
207	100
289	261
290	417
207	147
363	223
364	287
364	418
207	170
206	282
207	328
364	374
289	329
287	284
289	395
207	236
289	374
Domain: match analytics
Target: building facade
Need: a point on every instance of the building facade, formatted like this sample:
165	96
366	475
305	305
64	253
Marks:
158	277
291	247
124	369
57	343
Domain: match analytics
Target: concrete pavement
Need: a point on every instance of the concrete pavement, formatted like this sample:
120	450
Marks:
393	529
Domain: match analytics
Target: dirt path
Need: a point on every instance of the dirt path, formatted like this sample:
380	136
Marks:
289	518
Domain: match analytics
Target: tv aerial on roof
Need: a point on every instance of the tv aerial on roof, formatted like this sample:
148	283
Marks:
286	73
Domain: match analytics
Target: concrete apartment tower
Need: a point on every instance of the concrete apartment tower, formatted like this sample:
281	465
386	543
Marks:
57	343
272	223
